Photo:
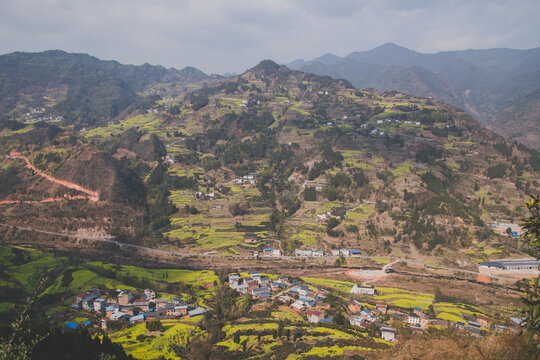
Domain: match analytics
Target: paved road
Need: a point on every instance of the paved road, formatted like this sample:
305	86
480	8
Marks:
110	240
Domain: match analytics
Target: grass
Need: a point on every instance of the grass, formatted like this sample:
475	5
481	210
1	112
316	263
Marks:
327	352
147	122
402	169
361	212
344	286
382	260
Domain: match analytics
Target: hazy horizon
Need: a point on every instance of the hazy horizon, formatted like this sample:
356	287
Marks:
220	37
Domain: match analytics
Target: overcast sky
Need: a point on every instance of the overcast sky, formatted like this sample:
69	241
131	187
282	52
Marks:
219	36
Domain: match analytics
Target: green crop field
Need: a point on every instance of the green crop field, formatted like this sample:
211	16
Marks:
138	343
343	286
147	122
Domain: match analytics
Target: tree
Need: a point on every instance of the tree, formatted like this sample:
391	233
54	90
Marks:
310	194
531	288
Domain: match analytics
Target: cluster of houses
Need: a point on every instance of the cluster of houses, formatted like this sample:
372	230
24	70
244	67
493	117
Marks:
259	287
312	302
249	179
124	306
301	298
504	225
206	195
321	253
364	314
306	253
388	121
268	252
168	159
38	115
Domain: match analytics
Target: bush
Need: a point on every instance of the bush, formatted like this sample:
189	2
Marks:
154	325
239	209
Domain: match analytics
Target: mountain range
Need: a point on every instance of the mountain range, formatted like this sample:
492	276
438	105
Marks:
84	89
499	87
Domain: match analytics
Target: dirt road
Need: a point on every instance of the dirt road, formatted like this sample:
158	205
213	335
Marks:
92	195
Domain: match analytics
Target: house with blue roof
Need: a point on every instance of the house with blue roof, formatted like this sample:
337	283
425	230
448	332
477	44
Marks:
71	325
307	302
137	318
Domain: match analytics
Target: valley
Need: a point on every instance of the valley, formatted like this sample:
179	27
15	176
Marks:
214	193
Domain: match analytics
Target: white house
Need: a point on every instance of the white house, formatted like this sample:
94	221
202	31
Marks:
413	319
355	320
363	290
277	253
150	294
388	334
303	252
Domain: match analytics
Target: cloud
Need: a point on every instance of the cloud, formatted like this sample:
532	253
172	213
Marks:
232	35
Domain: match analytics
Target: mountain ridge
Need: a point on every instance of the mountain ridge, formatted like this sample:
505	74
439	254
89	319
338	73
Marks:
481	81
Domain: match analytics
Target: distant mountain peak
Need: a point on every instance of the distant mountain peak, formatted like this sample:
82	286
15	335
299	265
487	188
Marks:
328	59
268	67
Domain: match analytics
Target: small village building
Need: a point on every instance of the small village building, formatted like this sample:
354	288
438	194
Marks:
365	313
388	334
285	299
127	309
178	301
88	301
161	303
100	304
181	310
416	329
511	265
418	311
382	307
308	302
474	331
413	319
125	297
298	306
316	316
242	289
303	253
501	329
475	324
169	309
141	304
363	289
233	281
355	306
355	252
137	318
324	216
264	281
356	320
484	321
197	312
460	325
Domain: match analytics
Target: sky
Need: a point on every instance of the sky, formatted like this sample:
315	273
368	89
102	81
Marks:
219	36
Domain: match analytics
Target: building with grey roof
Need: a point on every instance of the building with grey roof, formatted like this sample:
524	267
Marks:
509	264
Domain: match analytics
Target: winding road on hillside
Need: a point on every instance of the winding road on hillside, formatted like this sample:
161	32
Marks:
92	195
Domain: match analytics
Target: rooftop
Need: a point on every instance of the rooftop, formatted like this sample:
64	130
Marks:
503	263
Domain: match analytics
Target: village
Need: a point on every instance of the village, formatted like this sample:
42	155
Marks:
364	311
360	308
125	308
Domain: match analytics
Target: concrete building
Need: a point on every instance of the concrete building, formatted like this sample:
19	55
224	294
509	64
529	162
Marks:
363	290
